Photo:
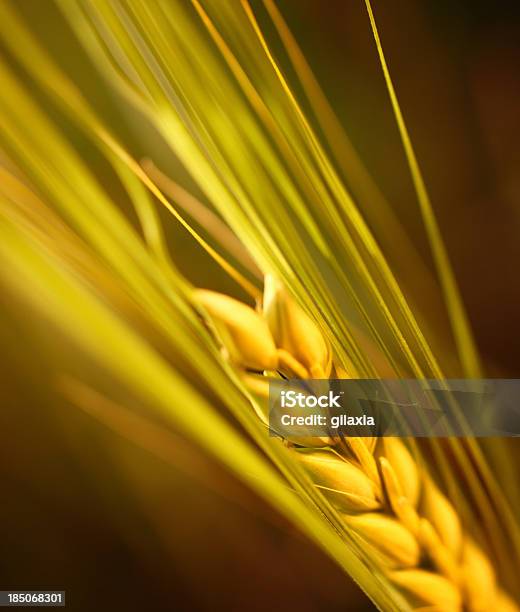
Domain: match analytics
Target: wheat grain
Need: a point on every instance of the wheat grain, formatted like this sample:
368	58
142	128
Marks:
387	500
405	524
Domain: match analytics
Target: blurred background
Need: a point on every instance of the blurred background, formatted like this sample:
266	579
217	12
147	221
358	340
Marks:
86	506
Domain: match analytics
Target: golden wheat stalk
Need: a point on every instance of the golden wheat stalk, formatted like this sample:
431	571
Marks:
268	175
404	523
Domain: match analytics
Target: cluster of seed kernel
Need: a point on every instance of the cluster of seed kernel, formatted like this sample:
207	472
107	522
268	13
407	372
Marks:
403	521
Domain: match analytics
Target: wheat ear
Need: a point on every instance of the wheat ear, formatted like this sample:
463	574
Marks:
398	515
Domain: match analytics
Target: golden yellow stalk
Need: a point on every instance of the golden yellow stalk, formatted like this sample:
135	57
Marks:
332	306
